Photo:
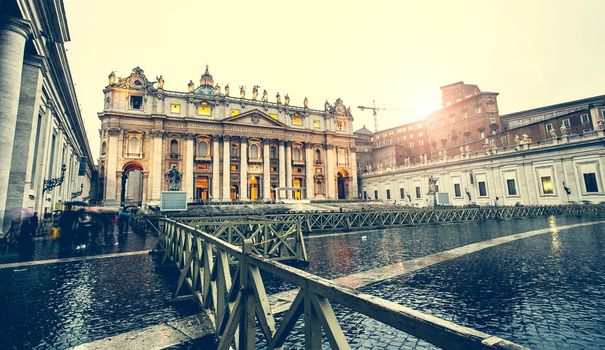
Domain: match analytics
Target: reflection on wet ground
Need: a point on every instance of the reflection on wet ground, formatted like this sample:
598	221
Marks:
544	291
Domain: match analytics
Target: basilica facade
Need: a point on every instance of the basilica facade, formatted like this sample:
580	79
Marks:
219	147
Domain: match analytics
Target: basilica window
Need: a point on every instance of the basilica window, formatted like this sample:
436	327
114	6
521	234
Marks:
234	151
175	108
134	146
340	125
203	148
273	153
136	102
103	147
297	153
174	147
317	156
316	124
297	120
254	152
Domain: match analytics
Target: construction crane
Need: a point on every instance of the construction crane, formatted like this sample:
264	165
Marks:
374	112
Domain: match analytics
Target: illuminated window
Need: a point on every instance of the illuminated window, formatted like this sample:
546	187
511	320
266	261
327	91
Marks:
274	116
317	124
296	120
175	108
546	184
233	167
202	110
234	112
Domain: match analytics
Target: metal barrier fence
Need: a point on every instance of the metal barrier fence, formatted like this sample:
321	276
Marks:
236	301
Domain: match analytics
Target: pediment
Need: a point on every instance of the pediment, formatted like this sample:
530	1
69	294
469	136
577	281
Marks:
256	118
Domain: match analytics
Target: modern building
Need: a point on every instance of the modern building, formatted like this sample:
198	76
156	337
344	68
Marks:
220	147
547	155
44	151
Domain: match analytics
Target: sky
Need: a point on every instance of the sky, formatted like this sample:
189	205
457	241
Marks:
398	53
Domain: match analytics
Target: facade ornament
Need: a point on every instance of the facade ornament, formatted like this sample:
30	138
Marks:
286	100
525	139
114	131
467	149
600	124
265	97
174	179
553	134
306	102
190	86
189	136
242	92
517	139
563	130
255	92
227	90
160	80
112	78
217	89
327	106
156	133
278	98
281	142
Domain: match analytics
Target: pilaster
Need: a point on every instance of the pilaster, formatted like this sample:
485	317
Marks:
243	172
226	169
266	171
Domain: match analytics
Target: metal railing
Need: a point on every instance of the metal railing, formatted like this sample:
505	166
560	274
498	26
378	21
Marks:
236	301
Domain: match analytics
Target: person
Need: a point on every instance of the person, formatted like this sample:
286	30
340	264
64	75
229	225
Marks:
123	218
33	224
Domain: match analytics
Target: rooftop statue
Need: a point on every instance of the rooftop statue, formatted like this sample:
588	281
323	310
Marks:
112	78
278	98
242	91
255	92
190	85
265	97
227	90
160	80
306	102
217	89
286	100
327	106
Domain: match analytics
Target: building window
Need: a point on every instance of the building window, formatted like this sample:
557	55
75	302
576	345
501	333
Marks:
417	191
317	156
103	147
254	154
234	112
297	120
401	193
136	102
546	184
340	125
133	145
272	153
234	151
548	127
411	144
375	194
478	109
202	149
457	191
174	147
482	189
175	108
584	118
482	134
316	124
511	187
388	194
296	154
590	183
365	195
205	110
567	124
465	113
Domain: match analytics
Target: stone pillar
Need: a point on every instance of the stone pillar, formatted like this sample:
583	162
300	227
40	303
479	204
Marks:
309	174
266	170
13	34
111	167
243	172
354	189
157	173
216	169
330	172
282	163
20	181
289	168
226	169
188	166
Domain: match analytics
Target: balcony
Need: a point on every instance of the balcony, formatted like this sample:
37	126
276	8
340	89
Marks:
174	156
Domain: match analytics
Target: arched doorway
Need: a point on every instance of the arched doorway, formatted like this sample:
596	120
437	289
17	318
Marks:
201	188
132	184
234	192
254	188
342	179
297	182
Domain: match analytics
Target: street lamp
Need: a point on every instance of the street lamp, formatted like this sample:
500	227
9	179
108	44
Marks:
78	193
54	182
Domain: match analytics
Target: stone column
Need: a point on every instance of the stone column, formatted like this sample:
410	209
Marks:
354	190
266	170
13	34
309	173
330	172
243	172
282	164
226	169
216	169
157	173
111	167
188	166
289	168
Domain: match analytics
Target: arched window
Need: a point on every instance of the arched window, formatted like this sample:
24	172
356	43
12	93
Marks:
254	151
134	145
273	153
296	154
478	109
174	147
317	156
202	148
103	147
234	151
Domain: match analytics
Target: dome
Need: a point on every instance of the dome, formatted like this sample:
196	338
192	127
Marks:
206	84
207	78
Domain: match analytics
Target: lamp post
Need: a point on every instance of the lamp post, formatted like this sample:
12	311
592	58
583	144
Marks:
54	182
78	193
